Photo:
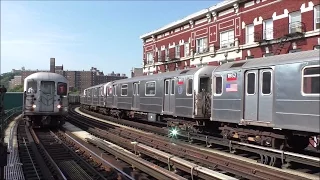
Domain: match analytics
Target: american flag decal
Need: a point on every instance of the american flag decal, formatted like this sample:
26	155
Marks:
231	87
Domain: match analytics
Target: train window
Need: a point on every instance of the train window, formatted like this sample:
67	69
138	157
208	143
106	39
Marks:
47	87
62	89
166	87
266	82
150	88
251	82
101	91
311	79
172	86
124	90
218	85
114	90
32	87
138	86
189	86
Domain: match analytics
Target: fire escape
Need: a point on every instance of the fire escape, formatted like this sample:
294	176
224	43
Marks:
282	34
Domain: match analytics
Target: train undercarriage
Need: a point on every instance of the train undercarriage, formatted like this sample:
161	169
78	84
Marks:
264	136
44	121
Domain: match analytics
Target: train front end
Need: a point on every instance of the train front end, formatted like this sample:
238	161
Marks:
45	99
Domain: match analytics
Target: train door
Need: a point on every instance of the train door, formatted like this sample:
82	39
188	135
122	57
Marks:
136	95
47	91
258	95
115	99
203	97
169	96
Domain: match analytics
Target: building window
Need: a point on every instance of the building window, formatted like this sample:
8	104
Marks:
311	80
227	39
149	58
167	53
186	49
250	33
159	55
150	88
124	90
295	22
189	87
317	17
177	51
268	29
202	45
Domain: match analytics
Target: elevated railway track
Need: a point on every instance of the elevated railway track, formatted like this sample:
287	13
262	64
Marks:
130	138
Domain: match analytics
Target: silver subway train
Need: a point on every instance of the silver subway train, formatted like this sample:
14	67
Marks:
45	99
271	101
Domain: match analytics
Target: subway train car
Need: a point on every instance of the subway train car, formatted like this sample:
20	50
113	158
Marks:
74	99
165	95
45	99
273	99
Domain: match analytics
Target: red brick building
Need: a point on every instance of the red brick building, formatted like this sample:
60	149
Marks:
233	30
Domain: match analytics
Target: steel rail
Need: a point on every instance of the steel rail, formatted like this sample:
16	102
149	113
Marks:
235	166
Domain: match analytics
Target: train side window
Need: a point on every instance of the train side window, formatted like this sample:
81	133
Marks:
62	89
218	85
114	90
166	87
189	87
150	88
124	89
251	83
101	91
172	86
266	82
311	79
138	86
32	87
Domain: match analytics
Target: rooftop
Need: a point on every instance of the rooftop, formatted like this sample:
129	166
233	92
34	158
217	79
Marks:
193	16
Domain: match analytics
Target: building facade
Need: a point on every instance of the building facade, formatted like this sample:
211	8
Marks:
233	30
78	80
15	82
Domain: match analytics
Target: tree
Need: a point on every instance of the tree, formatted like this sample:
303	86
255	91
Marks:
18	88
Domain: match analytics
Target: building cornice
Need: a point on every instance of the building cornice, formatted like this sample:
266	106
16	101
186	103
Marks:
201	13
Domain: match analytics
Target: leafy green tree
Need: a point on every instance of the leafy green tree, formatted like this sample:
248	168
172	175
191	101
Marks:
18	88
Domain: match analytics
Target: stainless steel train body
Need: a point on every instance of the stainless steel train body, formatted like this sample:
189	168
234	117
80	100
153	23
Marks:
262	100
45	99
281	92
165	94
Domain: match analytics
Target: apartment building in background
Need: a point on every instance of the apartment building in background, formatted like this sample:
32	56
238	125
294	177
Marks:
78	80
233	30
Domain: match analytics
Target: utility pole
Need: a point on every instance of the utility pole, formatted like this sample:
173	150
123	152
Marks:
3	146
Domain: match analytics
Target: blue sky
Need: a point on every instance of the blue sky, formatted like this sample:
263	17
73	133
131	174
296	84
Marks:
83	34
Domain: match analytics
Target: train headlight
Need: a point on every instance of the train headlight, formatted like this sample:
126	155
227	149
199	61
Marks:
34	106
59	106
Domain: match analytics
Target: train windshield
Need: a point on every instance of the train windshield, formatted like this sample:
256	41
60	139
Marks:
32	87
62	89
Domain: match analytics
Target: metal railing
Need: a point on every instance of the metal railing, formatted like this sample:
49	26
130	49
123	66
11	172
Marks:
7	117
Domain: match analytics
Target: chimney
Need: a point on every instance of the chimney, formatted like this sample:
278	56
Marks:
52	65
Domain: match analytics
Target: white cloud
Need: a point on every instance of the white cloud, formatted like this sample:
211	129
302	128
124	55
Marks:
28	40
